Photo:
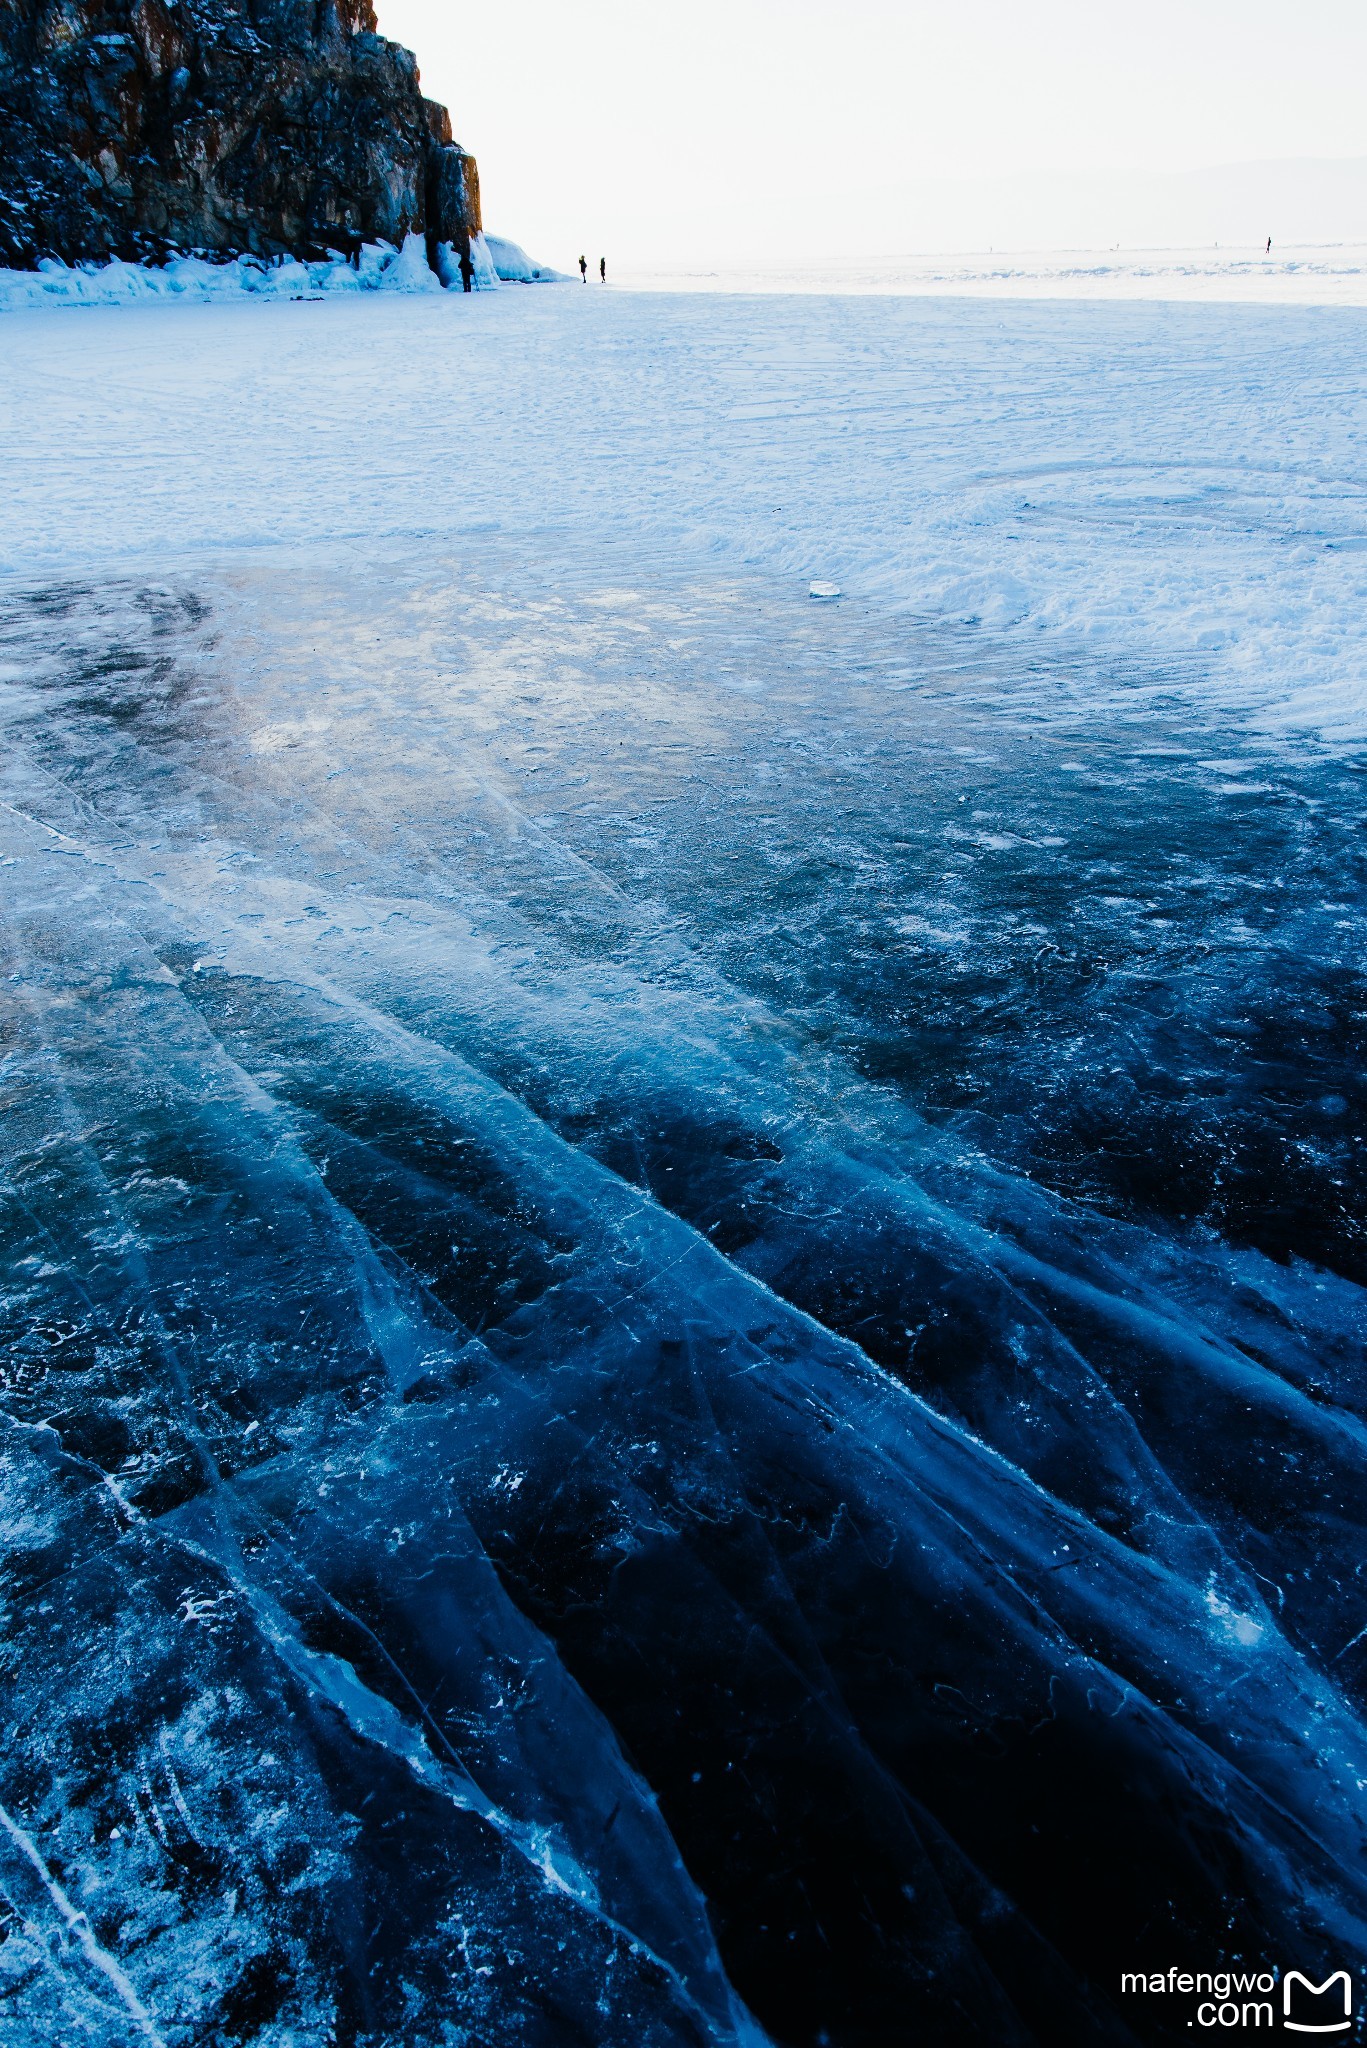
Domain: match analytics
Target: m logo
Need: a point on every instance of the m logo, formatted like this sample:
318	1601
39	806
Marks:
1316	2002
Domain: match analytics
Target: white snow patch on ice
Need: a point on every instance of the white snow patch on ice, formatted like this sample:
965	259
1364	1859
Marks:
1239	1628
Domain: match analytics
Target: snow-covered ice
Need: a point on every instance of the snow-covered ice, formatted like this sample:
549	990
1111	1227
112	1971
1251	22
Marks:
1172	481
1333	274
683	1269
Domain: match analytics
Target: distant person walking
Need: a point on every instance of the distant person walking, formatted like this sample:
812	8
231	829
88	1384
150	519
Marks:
467	271
1269	245
584	269
603	268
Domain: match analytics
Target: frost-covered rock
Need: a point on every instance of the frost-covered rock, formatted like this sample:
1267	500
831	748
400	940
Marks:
137	128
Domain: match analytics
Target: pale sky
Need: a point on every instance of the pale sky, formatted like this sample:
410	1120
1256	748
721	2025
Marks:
622	127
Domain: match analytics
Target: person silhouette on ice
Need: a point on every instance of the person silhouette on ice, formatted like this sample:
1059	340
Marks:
583	269
603	268
467	271
1269	245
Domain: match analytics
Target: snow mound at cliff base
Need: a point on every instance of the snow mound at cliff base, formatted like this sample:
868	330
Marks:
380	267
515	266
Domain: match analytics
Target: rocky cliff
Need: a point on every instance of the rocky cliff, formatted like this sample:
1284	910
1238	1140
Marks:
135	127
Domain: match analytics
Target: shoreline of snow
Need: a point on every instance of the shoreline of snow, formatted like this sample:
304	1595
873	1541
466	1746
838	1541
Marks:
1329	275
380	267
1298	275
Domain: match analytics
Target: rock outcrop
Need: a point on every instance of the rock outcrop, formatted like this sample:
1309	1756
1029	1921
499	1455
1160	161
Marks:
136	127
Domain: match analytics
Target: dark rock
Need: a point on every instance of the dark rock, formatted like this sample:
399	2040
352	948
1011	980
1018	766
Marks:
137	127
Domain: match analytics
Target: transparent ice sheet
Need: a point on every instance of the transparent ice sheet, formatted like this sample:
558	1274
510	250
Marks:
683	1318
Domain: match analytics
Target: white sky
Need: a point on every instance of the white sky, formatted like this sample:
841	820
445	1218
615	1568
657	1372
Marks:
630	128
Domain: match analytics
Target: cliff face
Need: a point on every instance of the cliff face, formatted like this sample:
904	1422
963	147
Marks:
133	127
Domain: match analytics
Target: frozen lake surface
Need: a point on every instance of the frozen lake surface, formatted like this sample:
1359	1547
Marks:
683	1267
1158	479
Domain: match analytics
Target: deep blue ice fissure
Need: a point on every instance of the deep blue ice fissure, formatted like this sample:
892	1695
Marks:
684	1327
